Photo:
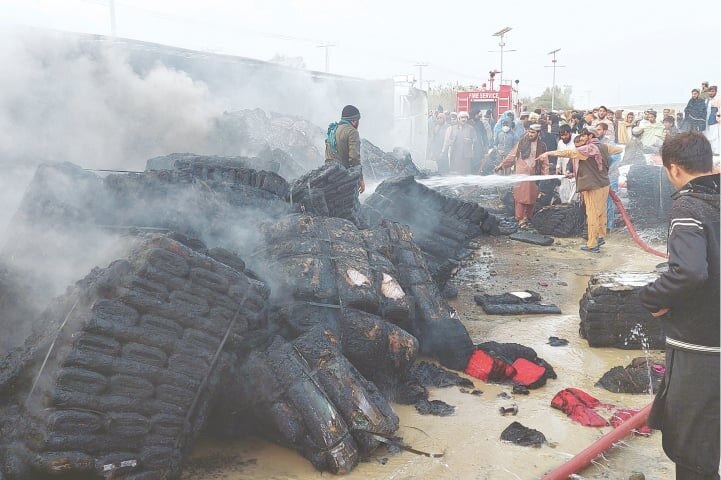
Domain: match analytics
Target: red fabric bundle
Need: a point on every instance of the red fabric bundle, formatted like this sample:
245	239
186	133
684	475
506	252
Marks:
579	405
488	368
527	372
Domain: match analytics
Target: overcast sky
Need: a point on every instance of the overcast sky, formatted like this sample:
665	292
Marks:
615	52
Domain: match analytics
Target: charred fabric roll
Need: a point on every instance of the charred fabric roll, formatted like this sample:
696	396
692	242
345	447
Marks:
307	393
331	191
379	165
336	268
442	225
119	375
612	315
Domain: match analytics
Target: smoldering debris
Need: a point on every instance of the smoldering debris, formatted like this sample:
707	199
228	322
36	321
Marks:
442	226
350	308
134	360
642	375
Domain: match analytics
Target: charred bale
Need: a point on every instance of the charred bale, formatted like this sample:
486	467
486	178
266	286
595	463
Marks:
612	315
561	220
442	225
440	334
119	376
331	190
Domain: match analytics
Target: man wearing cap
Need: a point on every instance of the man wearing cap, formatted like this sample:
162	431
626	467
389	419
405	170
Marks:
525	157
460	142
590	166
342	143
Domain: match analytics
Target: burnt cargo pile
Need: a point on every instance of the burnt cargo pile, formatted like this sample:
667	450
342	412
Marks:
442	226
146	341
612	315
119	375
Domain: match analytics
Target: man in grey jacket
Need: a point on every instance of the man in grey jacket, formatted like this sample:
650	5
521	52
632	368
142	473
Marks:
342	143
686	299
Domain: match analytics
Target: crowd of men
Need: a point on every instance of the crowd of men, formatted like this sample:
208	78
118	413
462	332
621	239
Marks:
464	142
581	145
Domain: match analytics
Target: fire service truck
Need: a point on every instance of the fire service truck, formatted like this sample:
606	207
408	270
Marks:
496	100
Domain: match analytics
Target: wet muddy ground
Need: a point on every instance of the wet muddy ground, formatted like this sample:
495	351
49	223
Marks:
470	438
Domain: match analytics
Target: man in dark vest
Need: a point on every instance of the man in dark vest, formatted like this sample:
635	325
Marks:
342	143
590	167
686	299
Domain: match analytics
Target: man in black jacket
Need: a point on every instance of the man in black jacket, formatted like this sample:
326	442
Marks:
686	407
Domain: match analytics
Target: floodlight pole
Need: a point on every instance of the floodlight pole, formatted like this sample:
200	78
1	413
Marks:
553	87
501	44
420	66
327	47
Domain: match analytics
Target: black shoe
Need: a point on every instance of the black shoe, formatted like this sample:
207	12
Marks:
591	249
600	242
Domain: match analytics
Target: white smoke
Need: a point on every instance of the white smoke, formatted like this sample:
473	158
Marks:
63	100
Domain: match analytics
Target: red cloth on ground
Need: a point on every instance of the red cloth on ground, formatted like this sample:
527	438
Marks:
620	415
488	368
527	372
581	407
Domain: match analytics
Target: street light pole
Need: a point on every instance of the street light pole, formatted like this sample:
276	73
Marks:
553	87
327	46
501	44
420	66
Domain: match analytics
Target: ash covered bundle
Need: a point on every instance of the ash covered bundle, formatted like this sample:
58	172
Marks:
379	165
254	133
442	225
120	373
612	315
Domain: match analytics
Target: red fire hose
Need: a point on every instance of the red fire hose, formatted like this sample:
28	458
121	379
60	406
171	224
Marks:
629	225
586	456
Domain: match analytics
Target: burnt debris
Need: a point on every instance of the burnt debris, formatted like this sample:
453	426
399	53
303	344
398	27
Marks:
442	225
119	374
